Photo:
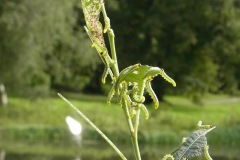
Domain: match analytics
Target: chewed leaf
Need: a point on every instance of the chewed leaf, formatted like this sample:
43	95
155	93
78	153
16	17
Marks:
91	10
193	146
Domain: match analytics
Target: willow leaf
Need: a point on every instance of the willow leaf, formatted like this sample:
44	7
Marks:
193	145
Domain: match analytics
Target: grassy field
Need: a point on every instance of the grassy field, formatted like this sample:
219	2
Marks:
44	120
177	115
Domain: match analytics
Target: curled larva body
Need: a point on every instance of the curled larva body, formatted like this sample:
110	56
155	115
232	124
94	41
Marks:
206	153
122	93
110	95
167	78
203	126
152	93
168	157
136	96
107	70
144	109
122	75
154	71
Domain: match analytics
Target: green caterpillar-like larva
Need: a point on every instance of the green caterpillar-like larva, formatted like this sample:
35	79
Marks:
153	71
168	157
152	93
122	94
135	95
203	126
122	75
167	78
107	70
131	83
206	153
144	109
110	95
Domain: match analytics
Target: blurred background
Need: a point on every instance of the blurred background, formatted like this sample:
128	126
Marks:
44	50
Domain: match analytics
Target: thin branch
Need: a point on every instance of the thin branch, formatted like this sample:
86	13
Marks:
95	127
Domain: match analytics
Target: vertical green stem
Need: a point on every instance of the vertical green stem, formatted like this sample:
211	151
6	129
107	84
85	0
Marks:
129	121
113	51
135	136
133	129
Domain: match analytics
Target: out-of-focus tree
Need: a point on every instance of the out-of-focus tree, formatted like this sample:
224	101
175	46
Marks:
196	42
41	44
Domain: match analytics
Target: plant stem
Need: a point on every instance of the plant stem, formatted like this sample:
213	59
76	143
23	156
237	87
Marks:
114	66
95	127
113	52
126	112
111	38
135	136
133	130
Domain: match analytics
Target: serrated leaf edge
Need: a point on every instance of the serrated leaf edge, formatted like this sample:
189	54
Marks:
208	130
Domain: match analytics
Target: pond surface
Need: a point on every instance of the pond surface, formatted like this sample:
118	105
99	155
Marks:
98	152
58	144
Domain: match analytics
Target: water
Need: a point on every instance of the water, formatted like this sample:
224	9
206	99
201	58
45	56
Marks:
101	152
35	145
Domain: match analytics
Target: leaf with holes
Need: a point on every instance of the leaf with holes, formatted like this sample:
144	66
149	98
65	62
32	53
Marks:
193	145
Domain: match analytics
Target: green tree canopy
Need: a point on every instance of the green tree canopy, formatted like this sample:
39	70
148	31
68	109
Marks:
196	42
41	44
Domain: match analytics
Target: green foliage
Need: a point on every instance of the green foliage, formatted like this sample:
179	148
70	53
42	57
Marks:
35	37
29	134
197	43
44	33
